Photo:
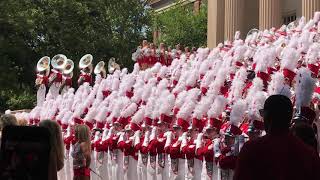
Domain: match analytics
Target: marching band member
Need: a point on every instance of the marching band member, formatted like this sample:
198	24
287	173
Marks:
100	72
209	148
289	63
105	168
85	65
58	63
178	51
278	85
67	77
127	144
130	154
177	158
178	166
42	81
304	88
143	149
157	145
189	147
229	146
163	54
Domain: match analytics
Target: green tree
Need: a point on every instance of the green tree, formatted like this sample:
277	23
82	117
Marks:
181	25
31	29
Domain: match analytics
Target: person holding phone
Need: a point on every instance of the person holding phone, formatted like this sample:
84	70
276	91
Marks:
56	155
82	153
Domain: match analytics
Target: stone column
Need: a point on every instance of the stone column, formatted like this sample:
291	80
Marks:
269	14
215	23
309	7
233	17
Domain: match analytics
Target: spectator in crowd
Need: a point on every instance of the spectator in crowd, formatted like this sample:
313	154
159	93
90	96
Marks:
7	120
82	153
305	132
22	122
278	154
56	157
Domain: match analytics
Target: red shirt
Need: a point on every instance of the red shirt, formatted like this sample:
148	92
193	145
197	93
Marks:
277	157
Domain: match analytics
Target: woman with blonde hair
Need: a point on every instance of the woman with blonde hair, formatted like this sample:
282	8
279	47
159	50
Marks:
82	153
56	157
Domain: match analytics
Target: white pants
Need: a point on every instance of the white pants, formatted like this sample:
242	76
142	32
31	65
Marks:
151	172
141	169
164	173
41	95
54	90
181	171
132	169
119	166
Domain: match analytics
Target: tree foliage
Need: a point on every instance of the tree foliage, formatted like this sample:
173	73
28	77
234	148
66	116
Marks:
181	25
31	29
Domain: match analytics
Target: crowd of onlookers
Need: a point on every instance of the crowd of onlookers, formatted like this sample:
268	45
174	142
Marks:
81	153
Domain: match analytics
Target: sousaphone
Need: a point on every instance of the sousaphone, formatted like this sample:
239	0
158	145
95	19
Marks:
252	32
69	68
44	65
59	61
85	61
112	65
99	69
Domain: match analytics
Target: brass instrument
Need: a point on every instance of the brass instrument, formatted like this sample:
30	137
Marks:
252	33
59	61
100	69
112	65
43	68
86	62
85	66
44	65
68	70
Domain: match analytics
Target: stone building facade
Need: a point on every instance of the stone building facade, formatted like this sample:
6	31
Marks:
225	17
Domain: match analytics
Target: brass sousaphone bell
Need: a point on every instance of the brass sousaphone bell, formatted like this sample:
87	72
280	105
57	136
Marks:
44	65
86	62
112	65
100	69
252	32
59	61
68	70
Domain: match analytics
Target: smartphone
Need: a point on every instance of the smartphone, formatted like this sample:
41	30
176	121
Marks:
24	153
